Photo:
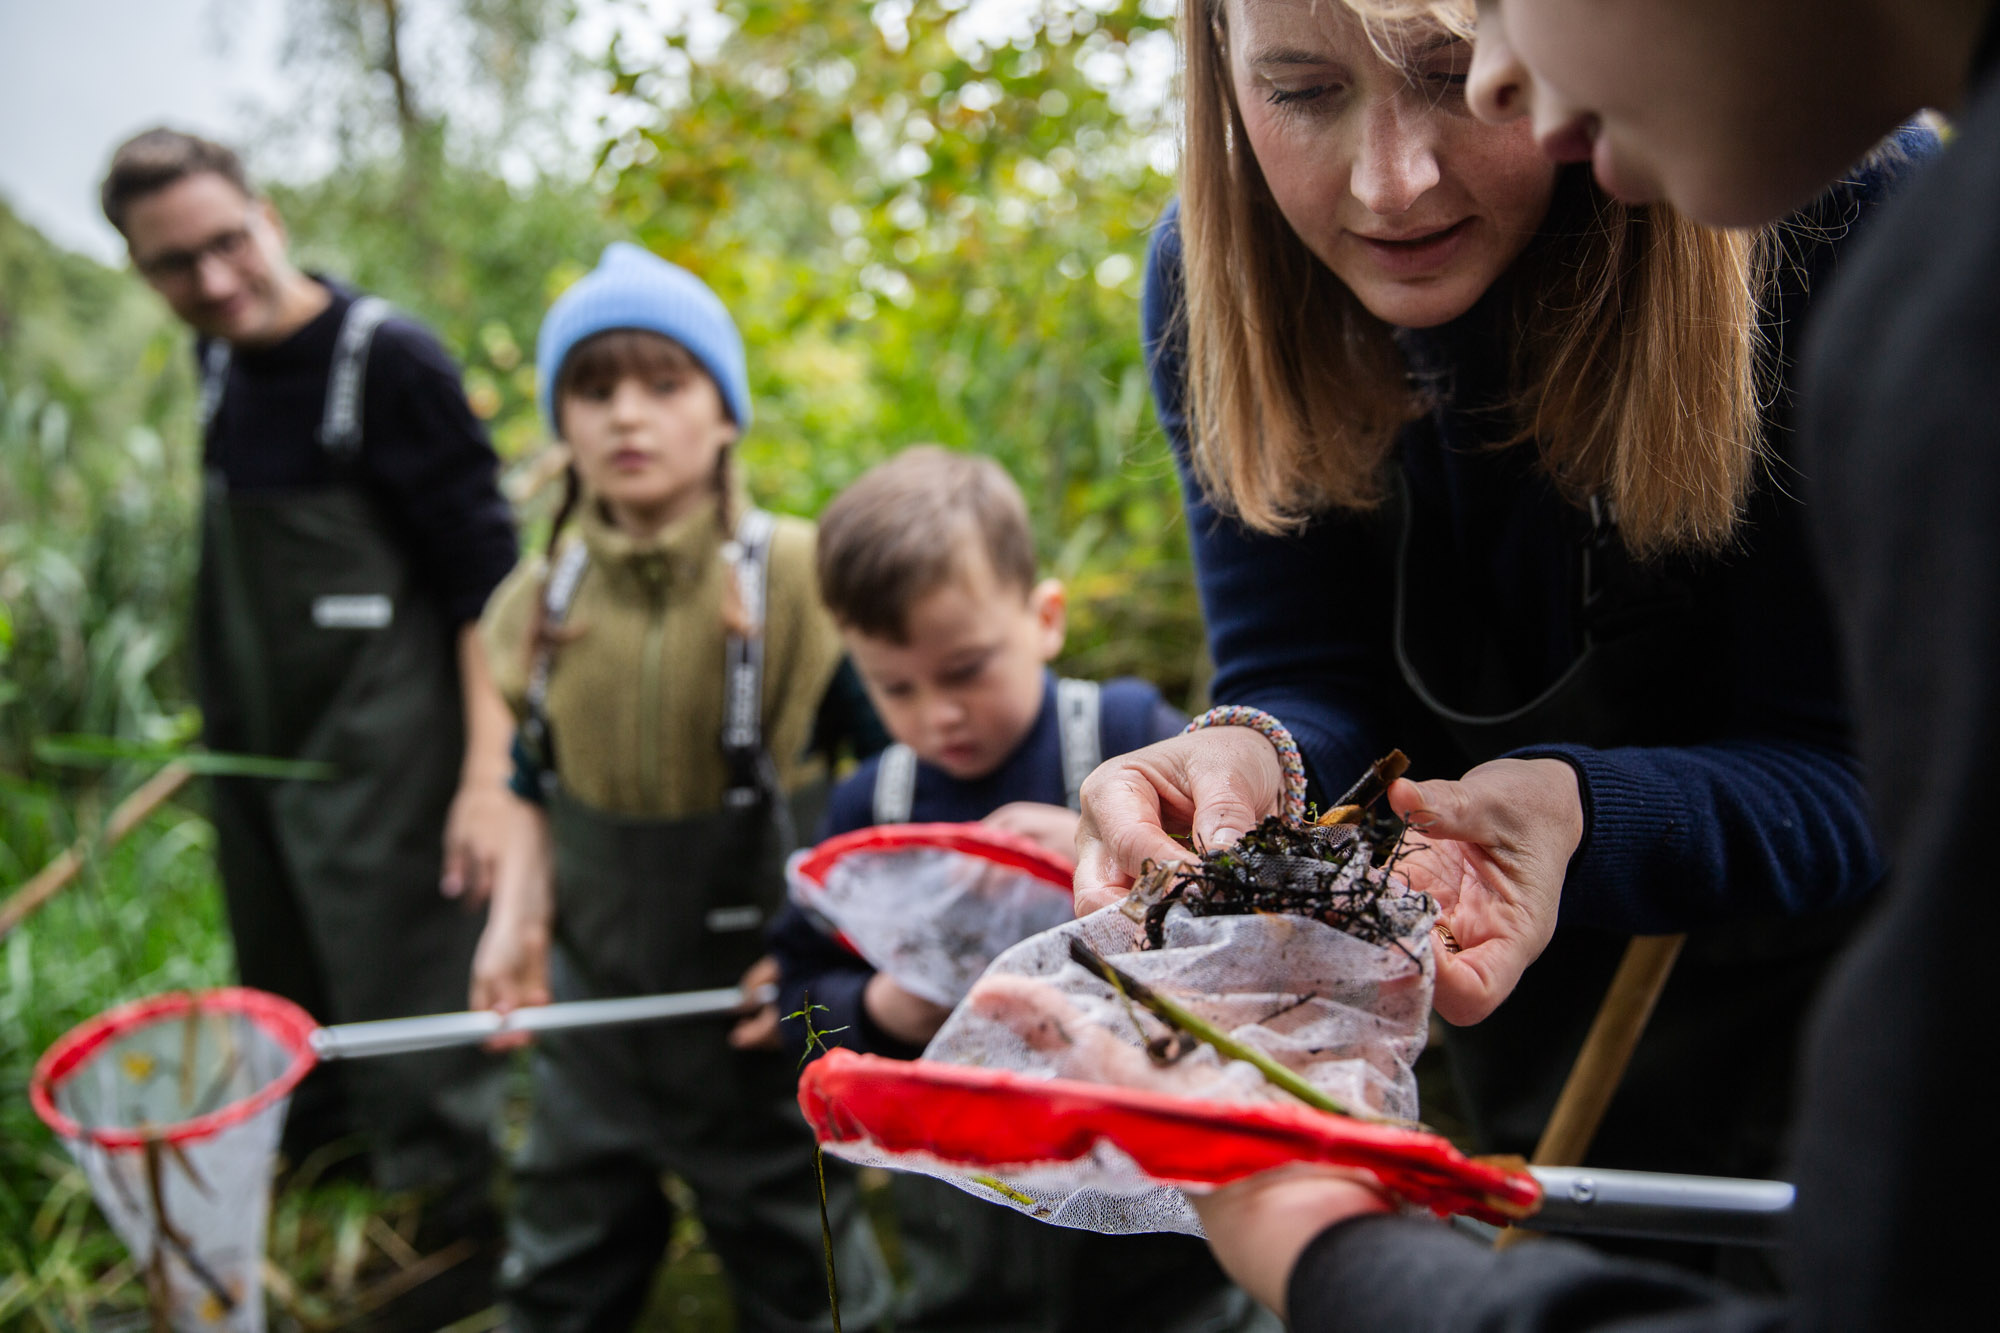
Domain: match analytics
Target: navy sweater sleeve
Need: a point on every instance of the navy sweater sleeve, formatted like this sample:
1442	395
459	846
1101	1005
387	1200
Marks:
428	459
1412	1275
1317	673
1770	818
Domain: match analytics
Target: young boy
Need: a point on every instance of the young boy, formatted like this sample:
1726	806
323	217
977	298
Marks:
927	564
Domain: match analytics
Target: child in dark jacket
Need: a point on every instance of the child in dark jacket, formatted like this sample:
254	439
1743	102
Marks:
927	564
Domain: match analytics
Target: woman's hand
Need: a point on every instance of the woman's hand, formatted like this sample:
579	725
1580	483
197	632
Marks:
1209	786
908	1018
1052	827
510	968
481	815
757	1030
1259	1227
1493	850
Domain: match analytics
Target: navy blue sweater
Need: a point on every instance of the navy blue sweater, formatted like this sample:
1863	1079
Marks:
424	455
1762	813
1131	714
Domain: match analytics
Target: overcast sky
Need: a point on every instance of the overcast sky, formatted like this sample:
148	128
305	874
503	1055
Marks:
79	76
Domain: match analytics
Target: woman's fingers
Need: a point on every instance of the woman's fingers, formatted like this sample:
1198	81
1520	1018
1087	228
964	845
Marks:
1496	848
1472	982
1215	784
1120	829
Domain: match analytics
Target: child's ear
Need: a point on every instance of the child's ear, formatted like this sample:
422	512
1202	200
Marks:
1049	605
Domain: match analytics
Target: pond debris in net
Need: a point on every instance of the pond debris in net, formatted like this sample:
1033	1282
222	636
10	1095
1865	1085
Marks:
1335	869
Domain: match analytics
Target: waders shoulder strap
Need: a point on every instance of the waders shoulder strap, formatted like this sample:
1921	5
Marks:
340	423
1077	709
557	598
895	784
214	379
751	773
340	427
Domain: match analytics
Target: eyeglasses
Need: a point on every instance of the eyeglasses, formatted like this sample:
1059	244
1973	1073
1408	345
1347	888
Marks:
180	266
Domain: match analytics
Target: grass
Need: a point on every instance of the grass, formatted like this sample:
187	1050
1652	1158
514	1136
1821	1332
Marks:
147	917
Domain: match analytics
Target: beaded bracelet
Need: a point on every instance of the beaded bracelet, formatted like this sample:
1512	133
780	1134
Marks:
1272	730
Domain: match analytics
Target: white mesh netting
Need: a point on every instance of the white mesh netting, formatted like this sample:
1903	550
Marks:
1346	1015
930	914
175	1117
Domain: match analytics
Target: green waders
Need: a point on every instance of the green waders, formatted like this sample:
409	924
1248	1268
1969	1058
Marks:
976	1266
313	643
648	905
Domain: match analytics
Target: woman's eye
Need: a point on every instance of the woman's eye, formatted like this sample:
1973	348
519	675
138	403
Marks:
667	387
1299	96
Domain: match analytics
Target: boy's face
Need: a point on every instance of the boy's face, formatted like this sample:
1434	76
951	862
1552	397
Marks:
216	255
1734	111
965	686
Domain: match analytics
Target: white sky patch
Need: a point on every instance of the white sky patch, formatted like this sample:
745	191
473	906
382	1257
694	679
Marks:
79	76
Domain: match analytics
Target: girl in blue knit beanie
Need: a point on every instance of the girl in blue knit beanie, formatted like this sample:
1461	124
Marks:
669	662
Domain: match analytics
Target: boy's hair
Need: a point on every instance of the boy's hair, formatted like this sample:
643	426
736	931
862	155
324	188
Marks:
150	162
905	529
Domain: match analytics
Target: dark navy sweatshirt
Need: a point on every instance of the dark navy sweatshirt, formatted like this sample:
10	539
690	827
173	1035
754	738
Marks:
1761	813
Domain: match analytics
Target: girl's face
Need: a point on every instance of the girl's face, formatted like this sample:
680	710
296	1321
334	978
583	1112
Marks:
1735	111
1382	170
646	433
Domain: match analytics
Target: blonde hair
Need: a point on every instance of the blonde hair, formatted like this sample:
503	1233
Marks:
1637	351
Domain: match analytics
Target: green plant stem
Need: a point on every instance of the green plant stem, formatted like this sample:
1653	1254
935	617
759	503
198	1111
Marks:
1184	1020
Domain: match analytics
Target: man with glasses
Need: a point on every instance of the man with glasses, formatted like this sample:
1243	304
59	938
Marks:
351	531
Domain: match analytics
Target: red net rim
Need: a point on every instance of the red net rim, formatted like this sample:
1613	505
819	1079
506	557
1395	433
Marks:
981	840
290	1025
989	1118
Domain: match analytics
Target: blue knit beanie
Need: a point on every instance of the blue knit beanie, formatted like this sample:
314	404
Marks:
633	289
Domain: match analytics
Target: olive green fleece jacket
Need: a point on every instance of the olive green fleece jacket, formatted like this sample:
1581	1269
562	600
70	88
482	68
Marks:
635	689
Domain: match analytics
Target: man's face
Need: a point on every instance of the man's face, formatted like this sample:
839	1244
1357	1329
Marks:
1736	112
964	688
216	255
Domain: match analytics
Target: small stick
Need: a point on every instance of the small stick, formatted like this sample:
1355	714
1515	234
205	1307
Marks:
1600	1064
57	874
1367	789
1182	1020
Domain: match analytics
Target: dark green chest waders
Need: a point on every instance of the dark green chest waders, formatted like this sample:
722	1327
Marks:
976	1266
646	905
1708	1090
312	642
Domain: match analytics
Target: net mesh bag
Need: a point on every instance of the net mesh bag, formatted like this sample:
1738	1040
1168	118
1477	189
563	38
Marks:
173	1106
1053	1089
931	905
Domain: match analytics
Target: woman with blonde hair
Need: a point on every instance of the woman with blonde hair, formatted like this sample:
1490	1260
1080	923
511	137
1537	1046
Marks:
1485	464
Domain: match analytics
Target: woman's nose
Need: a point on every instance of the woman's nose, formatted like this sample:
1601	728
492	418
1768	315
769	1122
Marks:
1497	89
1397	162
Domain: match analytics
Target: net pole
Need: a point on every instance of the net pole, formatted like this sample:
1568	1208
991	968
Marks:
1600	1065
396	1036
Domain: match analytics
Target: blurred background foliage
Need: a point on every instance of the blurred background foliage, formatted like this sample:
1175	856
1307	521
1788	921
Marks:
928	216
